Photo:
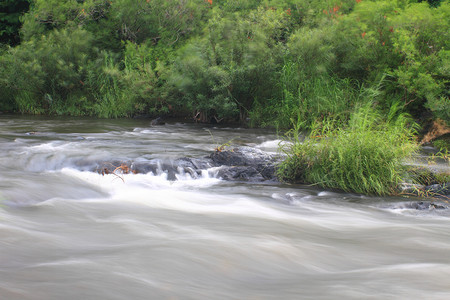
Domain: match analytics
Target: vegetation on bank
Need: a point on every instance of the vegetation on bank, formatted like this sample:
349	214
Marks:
268	60
331	66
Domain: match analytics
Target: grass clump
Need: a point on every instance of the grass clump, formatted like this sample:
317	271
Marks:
365	156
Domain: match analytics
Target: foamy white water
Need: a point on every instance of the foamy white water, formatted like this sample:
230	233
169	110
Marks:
69	233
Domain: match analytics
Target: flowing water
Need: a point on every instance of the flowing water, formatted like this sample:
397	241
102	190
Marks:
69	233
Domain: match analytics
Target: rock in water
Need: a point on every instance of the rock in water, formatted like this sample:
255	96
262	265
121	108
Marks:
245	163
157	121
426	205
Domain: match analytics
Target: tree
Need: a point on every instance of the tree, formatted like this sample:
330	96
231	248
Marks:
46	74
10	23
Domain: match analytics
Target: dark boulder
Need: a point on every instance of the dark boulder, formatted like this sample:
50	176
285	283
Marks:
157	121
244	173
243	156
245	163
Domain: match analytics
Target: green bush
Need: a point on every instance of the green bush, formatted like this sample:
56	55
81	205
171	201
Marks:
160	21
42	73
231	67
10	23
200	86
125	87
306	99
366	156
109	93
404	40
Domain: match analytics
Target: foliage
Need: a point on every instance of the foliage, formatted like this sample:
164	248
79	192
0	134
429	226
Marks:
442	145
277	62
157	20
423	40
109	89
231	67
306	102
10	12
201	87
407	41
47	15
365	156
46	74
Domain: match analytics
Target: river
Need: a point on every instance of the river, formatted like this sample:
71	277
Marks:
69	233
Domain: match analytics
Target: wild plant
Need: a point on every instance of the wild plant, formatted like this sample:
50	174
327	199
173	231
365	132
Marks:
364	156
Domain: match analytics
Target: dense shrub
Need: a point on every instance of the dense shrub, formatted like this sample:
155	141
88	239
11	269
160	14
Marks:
47	74
277	62
234	65
10	14
201	86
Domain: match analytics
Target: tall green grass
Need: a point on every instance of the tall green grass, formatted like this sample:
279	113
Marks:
110	90
366	156
305	99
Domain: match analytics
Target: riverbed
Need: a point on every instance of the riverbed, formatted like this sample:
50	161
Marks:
67	232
